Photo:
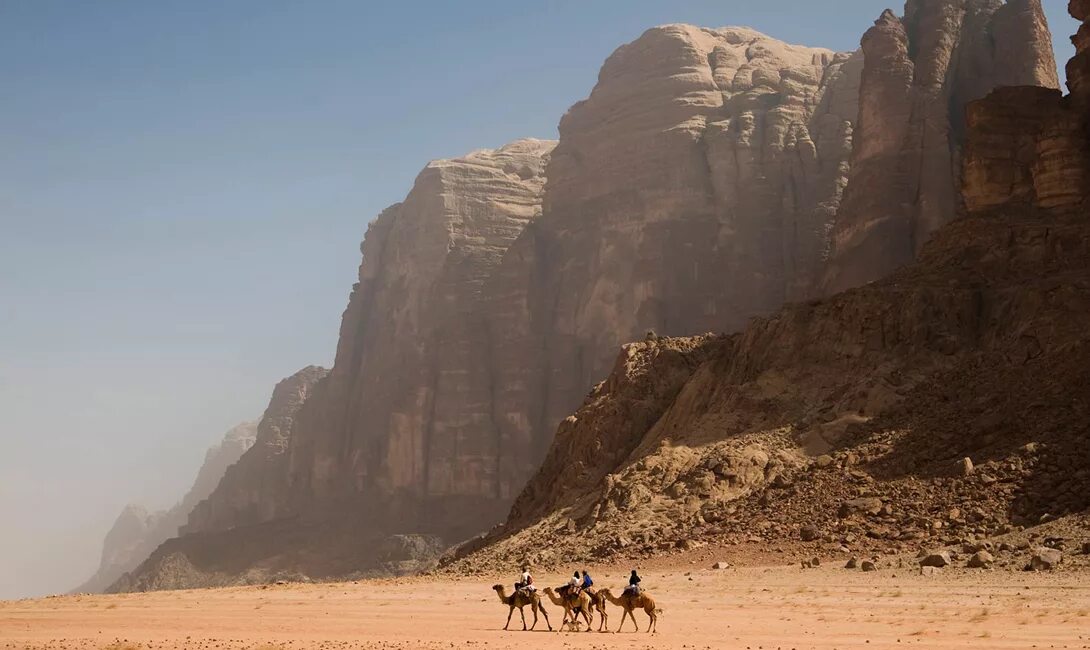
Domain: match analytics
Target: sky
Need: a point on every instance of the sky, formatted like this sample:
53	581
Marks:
183	189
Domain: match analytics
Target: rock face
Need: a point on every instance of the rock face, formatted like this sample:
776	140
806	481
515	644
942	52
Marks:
255	489
1078	68
137	533
958	355
919	73
701	155
692	191
1029	146
488	302
405	427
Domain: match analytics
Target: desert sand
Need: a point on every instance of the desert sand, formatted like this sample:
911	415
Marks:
751	608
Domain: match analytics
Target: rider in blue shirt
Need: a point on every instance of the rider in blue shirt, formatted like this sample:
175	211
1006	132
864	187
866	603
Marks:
587	582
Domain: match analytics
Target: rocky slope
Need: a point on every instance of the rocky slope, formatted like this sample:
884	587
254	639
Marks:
920	72
942	405
137	533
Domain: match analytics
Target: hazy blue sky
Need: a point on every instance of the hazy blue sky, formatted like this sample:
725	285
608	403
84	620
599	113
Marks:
183	188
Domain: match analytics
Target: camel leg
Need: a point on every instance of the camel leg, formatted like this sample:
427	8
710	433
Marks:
588	618
509	613
653	626
546	615
533	610
522	613
624	613
603	621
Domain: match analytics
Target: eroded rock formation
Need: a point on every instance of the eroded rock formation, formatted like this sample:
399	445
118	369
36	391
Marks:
137	532
691	191
255	489
694	189
403	431
849	420
919	73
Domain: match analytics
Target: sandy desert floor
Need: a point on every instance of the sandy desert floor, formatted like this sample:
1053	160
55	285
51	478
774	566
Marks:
751	608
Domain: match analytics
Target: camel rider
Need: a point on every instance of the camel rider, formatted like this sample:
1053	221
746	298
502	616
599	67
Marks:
587	582
633	587
526	582
574	584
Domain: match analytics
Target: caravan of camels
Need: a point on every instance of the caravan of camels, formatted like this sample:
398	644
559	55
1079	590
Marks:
579	599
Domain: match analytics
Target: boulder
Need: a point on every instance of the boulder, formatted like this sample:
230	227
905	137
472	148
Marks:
938	559
809	533
868	566
981	560
1044	559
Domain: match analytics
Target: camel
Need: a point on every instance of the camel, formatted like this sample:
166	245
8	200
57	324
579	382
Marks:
573	606
521	599
598	599
628	602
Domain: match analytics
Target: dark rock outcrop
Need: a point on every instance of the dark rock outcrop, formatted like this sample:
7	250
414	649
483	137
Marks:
919	74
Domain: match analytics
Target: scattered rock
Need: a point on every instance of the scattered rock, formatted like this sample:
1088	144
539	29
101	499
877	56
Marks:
1044	559
721	565
867	505
929	570
937	560
966	466
869	566
981	560
852	563
809	533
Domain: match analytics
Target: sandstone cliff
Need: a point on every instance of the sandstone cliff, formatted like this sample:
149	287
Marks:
255	489
844	422
403	431
694	189
489	301
137	533
920	72
691	191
